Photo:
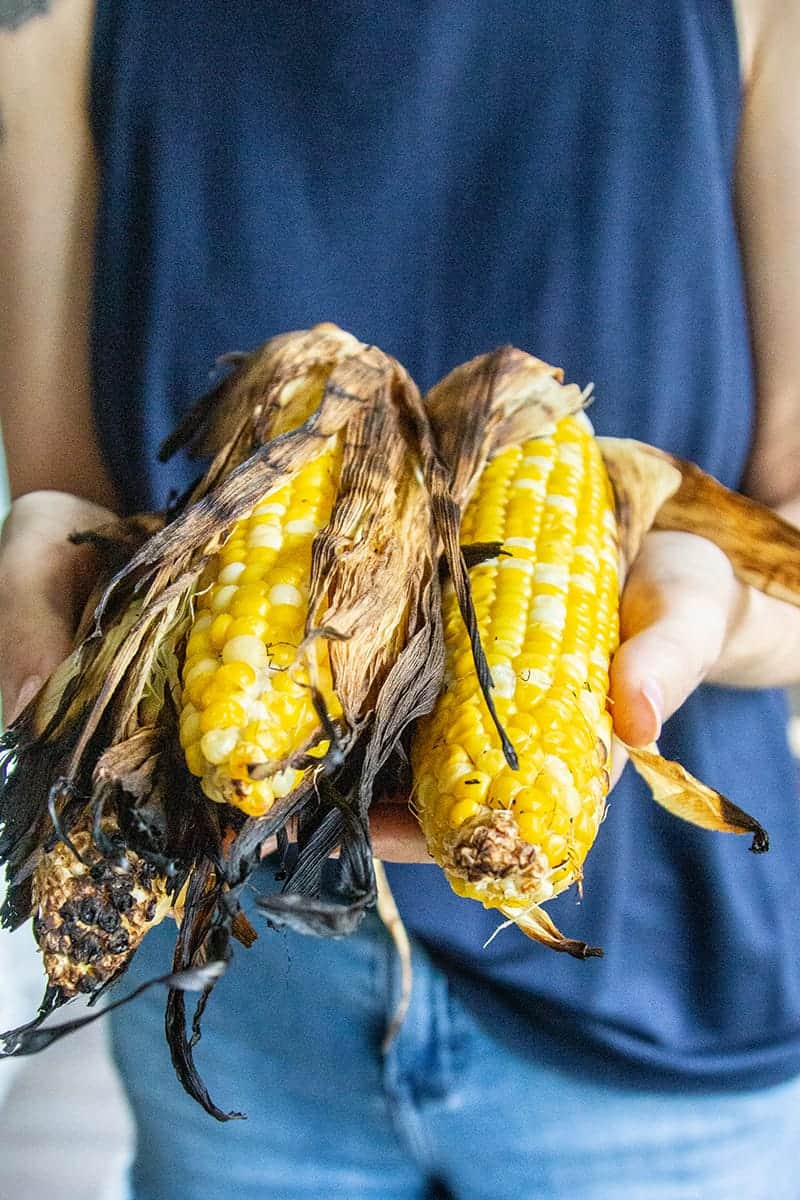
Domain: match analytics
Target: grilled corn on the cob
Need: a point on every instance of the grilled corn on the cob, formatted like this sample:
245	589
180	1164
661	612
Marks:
569	512
247	697
547	615
91	912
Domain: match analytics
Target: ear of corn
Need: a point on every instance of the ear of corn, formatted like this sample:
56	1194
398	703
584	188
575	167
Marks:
547	616
91	912
533	478
247	691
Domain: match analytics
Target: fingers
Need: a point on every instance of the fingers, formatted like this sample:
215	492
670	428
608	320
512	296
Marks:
43	581
394	830
396	834
675	614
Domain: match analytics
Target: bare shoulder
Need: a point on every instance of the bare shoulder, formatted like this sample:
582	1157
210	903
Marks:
44	40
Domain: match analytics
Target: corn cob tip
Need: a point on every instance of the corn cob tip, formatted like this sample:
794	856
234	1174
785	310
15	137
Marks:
488	847
91	915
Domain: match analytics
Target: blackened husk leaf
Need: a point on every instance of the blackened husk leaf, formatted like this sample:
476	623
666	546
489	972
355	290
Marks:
203	938
31	1038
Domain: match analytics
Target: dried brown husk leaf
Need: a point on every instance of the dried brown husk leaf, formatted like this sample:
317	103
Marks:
677	790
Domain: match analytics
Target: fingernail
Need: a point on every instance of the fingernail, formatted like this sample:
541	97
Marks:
24	696
655	701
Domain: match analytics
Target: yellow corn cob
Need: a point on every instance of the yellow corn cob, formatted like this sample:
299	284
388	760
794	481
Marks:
91	915
246	695
547	615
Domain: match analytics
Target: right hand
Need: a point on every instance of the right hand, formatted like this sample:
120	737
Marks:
44	584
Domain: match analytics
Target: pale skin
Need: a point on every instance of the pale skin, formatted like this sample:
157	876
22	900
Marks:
684	616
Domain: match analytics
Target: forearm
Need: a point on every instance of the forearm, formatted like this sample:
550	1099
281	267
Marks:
47	205
762	648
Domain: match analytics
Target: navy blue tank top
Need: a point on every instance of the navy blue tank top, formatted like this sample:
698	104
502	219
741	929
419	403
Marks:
441	178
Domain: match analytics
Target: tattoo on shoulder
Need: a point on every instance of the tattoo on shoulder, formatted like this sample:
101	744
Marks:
14	13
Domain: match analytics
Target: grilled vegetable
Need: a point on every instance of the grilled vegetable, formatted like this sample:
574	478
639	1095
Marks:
513	830
247	694
92	912
547	615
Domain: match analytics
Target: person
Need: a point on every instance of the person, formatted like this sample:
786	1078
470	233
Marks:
616	189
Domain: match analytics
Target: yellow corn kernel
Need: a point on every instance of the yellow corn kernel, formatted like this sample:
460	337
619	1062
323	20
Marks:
462	810
195	759
234	675
221	714
246	627
218	632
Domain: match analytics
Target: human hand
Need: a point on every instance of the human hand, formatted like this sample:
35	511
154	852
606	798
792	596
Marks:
44	583
679	611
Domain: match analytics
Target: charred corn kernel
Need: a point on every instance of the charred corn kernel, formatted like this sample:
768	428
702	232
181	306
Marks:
256	703
547	616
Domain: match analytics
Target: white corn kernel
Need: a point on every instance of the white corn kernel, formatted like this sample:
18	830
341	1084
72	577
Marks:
248	649
217	744
302	525
230	573
286	593
203	666
223	598
265	536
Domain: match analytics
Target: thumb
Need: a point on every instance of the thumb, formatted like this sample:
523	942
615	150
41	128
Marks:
34	639
674	621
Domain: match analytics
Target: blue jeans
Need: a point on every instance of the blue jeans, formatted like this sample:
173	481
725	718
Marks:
292	1037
